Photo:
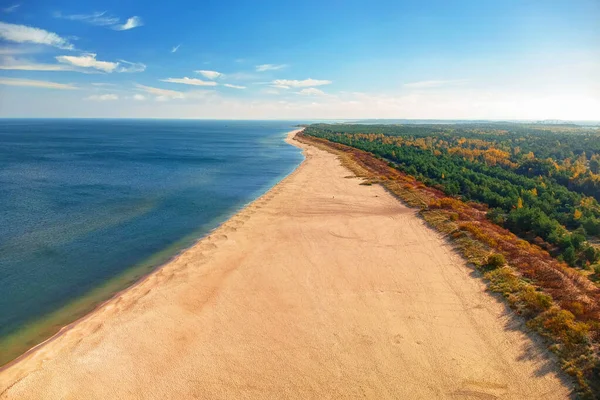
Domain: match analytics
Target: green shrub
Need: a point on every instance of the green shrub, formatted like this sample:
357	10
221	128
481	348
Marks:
496	261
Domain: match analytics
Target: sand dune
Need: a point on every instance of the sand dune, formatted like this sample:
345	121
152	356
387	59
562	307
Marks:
323	288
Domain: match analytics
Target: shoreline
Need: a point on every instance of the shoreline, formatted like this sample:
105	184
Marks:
144	276
321	286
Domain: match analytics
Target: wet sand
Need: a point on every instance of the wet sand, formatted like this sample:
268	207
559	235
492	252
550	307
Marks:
322	288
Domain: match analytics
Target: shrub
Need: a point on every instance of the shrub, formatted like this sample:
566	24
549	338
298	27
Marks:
536	301
496	260
562	324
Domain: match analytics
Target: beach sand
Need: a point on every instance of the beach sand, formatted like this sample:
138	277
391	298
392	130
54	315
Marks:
322	288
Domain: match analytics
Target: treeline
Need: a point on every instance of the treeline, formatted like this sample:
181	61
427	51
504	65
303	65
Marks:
520	194
566	154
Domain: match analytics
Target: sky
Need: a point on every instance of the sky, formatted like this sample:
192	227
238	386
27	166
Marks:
326	59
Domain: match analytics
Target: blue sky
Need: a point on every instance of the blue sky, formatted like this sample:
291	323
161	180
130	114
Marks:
309	60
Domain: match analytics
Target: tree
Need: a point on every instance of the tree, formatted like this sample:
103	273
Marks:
595	164
569	255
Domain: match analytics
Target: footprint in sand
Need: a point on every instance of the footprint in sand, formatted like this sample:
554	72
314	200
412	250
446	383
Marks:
207	246
236	223
214	238
397	339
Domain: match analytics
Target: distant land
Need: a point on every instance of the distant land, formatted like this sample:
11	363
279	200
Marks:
472	121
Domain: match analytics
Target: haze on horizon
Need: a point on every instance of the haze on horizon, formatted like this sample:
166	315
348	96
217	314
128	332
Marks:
312	60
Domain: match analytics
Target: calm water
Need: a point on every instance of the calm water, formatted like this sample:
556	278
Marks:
82	202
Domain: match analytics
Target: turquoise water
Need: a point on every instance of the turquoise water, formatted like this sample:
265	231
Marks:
82	201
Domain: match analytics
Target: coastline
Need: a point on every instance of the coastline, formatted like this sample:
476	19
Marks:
129	279
379	329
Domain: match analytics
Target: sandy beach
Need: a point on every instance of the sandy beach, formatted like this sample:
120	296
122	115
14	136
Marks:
322	288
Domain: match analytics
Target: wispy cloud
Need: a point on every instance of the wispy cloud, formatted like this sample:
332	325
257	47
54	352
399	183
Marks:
311	92
103	97
270	67
11	63
210	74
174	49
100	18
88	60
28	34
34	83
139	97
162	94
86	63
131	23
130	66
12	8
292	83
434	83
229	85
190	81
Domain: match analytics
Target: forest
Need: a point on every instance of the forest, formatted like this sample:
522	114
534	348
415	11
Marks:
541	182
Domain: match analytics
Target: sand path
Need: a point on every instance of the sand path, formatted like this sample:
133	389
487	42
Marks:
323	288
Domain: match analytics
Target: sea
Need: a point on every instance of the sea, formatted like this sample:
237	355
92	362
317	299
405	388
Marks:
88	207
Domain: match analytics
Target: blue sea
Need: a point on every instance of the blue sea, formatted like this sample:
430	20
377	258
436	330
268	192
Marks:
89	206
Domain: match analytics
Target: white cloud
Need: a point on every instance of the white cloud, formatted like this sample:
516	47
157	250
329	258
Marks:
88	60
11	63
434	83
229	85
131	23
269	67
34	83
311	92
174	49
288	83
11	8
190	81
139	97
103	97
163	94
210	74
102	18
97	18
27	34
103	84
